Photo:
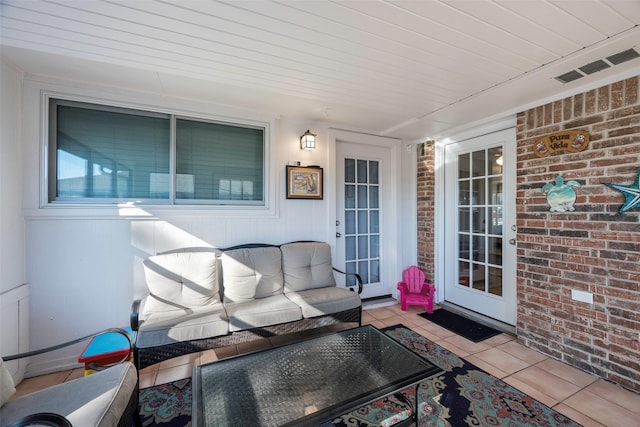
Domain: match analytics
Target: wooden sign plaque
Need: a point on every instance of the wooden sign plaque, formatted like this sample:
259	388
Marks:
572	141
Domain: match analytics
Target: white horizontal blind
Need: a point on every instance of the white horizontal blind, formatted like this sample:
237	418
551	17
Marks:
219	162
106	154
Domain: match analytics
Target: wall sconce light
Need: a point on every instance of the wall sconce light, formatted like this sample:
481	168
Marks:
499	161
308	141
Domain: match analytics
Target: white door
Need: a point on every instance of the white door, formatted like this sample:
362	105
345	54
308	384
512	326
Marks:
480	251
365	216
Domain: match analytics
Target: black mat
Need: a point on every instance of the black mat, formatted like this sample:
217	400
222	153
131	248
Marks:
462	326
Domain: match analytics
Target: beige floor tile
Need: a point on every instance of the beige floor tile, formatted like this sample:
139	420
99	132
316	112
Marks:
367	318
469	346
398	310
381	313
192	358
378	324
502	360
394	320
602	410
74	374
576	416
437	330
425	333
499	339
29	385
569	373
523	353
496	372
546	382
149	369
208	356
419	320
460	352
174	373
408	320
412	309
228	351
147	379
531	391
616	395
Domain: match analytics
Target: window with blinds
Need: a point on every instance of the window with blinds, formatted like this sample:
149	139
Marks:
102	154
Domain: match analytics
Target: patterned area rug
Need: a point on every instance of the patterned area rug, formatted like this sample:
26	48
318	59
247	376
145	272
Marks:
463	395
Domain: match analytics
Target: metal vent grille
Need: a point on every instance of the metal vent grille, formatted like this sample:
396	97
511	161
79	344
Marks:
570	76
599	65
594	67
624	56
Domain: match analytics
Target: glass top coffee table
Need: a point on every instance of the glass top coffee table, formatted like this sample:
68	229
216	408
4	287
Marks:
305	383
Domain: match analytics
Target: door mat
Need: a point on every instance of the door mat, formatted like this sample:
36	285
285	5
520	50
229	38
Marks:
470	329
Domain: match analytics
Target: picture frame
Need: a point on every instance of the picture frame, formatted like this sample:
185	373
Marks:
304	182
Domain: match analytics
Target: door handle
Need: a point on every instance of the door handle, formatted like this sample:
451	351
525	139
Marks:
338	235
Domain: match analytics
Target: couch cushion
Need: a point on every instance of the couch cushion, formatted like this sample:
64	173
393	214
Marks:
7	388
251	273
98	400
181	280
306	265
262	312
321	301
166	327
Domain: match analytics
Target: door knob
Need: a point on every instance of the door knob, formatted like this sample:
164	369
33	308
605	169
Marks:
338	235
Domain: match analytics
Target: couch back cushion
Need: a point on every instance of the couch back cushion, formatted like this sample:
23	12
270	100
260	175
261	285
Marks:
251	273
181	280
307	265
6	384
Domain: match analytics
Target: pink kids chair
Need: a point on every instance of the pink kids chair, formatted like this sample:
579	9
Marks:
414	290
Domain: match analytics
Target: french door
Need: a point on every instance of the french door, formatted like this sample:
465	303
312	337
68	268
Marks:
365	212
480	251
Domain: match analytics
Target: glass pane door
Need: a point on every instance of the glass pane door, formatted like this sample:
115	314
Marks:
362	219
479	204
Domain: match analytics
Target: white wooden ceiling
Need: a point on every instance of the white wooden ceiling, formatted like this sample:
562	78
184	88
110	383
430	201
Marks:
409	69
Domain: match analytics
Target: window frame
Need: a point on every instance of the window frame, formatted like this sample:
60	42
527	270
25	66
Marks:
49	169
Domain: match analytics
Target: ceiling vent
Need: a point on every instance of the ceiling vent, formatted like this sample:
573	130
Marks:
624	56
599	65
594	67
570	76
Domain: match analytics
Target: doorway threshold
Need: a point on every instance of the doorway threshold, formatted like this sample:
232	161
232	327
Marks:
378	302
480	318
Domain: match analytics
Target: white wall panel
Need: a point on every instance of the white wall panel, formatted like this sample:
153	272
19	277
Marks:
11	223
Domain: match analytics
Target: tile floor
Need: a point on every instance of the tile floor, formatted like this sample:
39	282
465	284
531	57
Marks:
580	396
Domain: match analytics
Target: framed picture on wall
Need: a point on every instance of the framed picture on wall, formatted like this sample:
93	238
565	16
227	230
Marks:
304	182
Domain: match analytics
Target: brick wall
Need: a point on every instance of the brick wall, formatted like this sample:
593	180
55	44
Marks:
426	196
593	249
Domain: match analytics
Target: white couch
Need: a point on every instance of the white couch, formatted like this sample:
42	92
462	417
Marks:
212	298
107	398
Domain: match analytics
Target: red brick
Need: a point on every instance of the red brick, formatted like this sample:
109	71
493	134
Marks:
606	263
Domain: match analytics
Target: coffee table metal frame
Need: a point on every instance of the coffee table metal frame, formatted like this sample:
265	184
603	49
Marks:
308	382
